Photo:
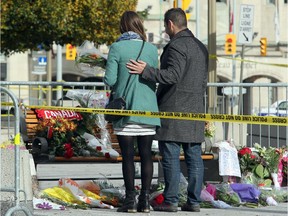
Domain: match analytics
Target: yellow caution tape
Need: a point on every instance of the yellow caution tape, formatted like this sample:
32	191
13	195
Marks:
7	104
6	115
250	119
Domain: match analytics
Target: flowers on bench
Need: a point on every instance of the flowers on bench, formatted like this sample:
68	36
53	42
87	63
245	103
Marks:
68	136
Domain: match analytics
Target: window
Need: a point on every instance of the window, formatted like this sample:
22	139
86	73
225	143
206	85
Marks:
3	71
222	1
283	105
271	2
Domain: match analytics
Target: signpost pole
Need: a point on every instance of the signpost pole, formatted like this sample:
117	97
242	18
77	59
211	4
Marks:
245	36
240	105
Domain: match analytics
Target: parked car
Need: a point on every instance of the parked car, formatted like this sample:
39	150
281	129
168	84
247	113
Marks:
279	108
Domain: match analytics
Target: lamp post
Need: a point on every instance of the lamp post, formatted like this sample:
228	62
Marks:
212	77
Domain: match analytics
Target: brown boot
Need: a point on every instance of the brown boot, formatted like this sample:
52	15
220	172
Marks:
143	202
129	204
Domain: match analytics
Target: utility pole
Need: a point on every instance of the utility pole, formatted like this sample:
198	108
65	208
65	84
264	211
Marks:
49	77
212	77
59	71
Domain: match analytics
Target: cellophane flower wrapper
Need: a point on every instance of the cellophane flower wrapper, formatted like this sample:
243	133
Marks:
111	195
246	192
182	189
93	200
96	99
279	195
207	197
46	204
90	60
226	194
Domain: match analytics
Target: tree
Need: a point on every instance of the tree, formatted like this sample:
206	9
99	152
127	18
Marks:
26	25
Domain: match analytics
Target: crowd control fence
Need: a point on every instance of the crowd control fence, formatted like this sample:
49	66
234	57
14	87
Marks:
254	101
16	190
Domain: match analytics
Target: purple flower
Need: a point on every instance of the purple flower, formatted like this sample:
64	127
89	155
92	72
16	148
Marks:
44	205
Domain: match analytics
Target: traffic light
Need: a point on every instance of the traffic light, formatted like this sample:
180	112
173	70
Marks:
70	52
263	46
230	44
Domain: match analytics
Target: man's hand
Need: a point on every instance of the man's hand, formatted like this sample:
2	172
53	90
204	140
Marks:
136	67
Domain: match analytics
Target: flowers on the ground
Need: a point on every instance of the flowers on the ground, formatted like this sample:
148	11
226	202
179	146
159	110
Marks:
209	129
247	160
259	163
270	157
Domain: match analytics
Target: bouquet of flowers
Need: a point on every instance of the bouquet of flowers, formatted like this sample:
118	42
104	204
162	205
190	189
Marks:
63	137
90	60
270	157
209	129
247	160
259	165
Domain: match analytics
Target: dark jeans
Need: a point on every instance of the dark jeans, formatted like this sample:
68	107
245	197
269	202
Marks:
170	152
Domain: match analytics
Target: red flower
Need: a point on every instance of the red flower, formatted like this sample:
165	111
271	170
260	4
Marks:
244	151
98	148
159	199
69	150
67	146
107	155
69	153
49	132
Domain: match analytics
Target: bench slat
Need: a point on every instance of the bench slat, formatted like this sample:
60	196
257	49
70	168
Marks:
119	159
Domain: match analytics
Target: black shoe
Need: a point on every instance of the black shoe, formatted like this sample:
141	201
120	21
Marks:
166	207
143	202
129	204
190	207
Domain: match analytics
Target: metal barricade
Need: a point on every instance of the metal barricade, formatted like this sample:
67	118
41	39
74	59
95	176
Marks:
16	189
254	96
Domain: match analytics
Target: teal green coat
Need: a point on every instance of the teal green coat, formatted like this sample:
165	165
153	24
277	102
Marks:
140	92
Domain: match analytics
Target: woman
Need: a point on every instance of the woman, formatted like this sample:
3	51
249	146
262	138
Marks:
140	95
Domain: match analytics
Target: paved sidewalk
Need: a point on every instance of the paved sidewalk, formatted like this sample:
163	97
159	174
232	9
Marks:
281	209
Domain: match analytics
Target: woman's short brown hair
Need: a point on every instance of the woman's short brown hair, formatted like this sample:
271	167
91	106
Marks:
130	21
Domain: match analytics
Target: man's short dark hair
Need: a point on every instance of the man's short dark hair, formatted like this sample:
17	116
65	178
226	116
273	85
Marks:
177	16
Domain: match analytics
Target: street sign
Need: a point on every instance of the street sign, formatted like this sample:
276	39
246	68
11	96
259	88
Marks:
42	60
39	72
245	35
233	90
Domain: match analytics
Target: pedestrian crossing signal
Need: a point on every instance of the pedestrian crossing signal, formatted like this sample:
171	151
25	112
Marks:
230	44
263	46
70	52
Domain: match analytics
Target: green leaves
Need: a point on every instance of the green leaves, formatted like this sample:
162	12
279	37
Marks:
261	171
27	24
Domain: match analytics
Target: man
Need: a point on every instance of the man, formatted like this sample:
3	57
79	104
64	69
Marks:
182	82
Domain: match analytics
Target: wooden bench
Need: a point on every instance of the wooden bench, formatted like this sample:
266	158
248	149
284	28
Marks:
50	169
29	121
